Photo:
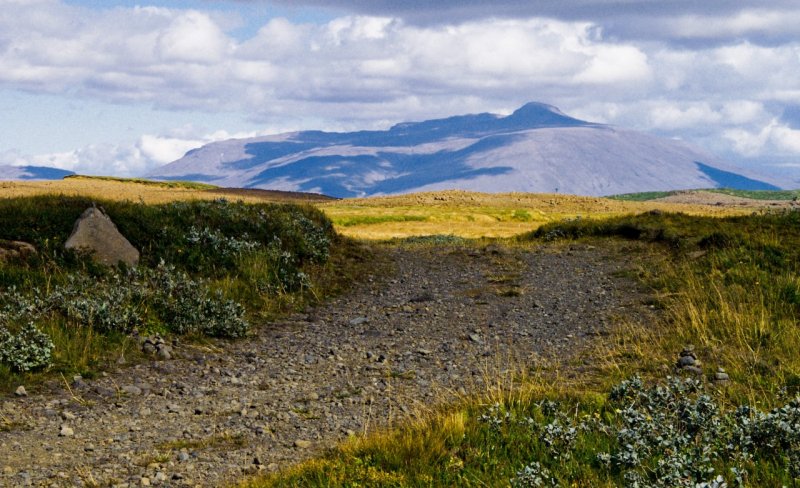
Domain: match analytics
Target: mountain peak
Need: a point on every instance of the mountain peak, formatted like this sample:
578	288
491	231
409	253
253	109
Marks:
535	114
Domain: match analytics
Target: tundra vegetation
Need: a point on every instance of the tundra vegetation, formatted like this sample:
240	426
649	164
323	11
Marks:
725	281
209	268
728	286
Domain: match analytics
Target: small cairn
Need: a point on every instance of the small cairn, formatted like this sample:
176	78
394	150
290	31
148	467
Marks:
156	346
688	362
721	377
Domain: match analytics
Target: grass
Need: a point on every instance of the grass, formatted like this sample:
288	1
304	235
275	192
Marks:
727	286
642	196
137	190
475	215
206	268
190	185
760	194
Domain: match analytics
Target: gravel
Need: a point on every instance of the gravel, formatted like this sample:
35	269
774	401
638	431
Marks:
435	324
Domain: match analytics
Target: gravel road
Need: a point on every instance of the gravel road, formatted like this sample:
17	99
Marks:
213	413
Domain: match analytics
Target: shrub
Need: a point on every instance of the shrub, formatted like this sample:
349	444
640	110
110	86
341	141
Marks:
27	350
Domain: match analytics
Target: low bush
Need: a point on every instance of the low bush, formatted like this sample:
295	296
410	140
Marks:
200	261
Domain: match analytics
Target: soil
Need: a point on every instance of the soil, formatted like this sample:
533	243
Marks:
437	325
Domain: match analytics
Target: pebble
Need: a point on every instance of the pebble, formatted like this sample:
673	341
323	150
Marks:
132	390
66	431
21	391
302	444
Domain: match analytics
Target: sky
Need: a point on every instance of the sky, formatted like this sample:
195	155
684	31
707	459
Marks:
114	87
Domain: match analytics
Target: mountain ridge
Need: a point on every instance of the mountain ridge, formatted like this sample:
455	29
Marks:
8	172
537	148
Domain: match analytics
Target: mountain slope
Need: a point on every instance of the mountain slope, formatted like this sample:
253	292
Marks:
32	173
535	149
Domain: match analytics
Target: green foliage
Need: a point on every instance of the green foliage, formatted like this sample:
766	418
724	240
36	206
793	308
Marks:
29	349
376	219
200	261
760	194
674	433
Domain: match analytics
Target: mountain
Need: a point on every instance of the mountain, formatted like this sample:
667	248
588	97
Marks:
32	173
535	149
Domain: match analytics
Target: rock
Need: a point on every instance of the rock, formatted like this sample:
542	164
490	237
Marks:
144	481
359	321
21	391
164	352
693	370
132	390
66	431
95	232
685	361
15	249
67	415
302	444
721	376
149	348
475	338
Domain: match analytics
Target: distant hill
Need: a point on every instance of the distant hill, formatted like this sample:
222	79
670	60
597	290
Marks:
535	149
32	173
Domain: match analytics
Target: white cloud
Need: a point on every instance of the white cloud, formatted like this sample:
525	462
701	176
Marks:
774	138
671	116
368	72
194	38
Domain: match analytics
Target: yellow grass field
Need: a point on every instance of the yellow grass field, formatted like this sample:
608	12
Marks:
460	213
470	214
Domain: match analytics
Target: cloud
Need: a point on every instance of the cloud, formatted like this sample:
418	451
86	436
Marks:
697	70
148	152
767	20
775	139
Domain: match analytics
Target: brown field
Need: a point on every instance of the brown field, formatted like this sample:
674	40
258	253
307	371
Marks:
461	213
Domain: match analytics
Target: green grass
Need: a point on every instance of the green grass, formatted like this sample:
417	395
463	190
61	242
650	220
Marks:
376	219
191	185
642	196
729	287
207	267
761	194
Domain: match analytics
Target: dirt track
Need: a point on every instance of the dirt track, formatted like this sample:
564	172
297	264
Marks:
438	323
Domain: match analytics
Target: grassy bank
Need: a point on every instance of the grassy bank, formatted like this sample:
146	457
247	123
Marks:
729	287
208	268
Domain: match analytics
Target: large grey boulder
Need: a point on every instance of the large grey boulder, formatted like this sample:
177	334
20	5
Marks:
96	233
